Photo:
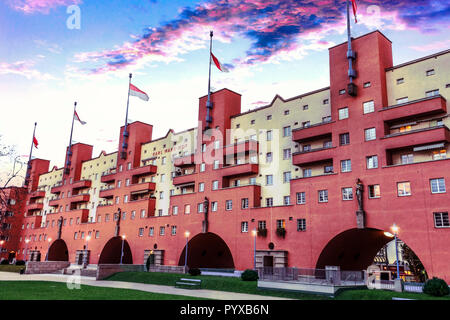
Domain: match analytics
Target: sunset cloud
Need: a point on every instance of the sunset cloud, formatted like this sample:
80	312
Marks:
25	69
39	6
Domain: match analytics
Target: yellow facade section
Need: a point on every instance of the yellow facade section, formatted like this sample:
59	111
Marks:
46	182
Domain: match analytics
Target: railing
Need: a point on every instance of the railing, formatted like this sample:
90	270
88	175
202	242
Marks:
311	276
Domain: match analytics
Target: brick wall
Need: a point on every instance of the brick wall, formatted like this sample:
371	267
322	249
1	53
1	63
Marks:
34	267
105	270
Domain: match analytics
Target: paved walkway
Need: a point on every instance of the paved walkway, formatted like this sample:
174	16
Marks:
90	281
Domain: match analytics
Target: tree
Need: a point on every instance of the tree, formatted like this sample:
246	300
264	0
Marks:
415	265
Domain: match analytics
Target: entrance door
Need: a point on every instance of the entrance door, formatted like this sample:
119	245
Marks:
268	264
80	258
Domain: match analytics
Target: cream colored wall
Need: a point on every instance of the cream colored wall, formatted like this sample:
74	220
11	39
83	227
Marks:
46	182
295	118
416	83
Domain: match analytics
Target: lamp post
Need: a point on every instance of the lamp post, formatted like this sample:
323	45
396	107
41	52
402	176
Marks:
26	249
186	234
254	233
48	248
394	229
121	251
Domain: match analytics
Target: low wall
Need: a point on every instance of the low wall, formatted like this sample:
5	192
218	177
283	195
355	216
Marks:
300	287
36	267
105	270
168	269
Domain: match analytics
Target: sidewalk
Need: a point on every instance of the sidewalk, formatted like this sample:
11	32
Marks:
90	281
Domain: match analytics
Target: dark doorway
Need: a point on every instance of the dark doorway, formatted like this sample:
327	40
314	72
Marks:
112	250
207	250
268	261
58	251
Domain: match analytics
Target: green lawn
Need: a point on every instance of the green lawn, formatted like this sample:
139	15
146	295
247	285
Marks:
233	284
44	290
11	268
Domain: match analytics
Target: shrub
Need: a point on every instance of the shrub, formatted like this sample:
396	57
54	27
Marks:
20	263
195	272
249	275
436	287
4	262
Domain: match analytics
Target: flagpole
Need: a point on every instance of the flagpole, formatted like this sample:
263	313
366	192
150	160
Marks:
208	103
27	176
125	133
69	151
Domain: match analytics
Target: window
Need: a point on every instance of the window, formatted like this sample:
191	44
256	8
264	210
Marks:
432	93
403	189
328	169
175	210
262	225
281	224
405	128
174	230
326	119
344	139
327	144
437	185
172	192
402	100
306	124
151	231
286	154
430	72
252	122
407	158
253	137
237	183
326	101
216	164
163	177
342	91
441	154
305	107
133	215
229	205
200	207
370	134
287	200
119	183
117	200
214	206
347	194
269	202
162	231
202	167
187	209
97	234
125	198
307	173
216	144
143	213
374	191
204	147
346	165
268	157
343	113
441	220
286	177
201	187
287	131
367	84
372	162
400	80
269	135
269	179
301	224
161	195
301	198
323	195
244	226
269	117
141	232
75	235
369	106
306	147
244	203
215	185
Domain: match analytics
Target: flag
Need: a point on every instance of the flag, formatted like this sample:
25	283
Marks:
135	91
35	142
78	118
355	7
219	66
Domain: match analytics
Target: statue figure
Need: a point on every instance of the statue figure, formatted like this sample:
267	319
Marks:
60	223
118	215
359	194
205	210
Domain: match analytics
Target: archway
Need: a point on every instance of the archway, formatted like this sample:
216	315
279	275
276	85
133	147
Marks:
354	249
112	250
58	251
207	250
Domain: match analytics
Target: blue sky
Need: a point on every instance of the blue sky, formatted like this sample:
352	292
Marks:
273	47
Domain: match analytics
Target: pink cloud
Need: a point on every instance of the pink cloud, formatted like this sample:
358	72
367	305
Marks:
39	6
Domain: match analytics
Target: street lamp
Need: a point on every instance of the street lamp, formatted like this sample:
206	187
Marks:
26	249
254	233
186	234
121	251
395	229
48	248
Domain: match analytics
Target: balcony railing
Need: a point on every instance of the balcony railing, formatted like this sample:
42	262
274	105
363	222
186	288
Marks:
239	170
315	131
314	155
81	184
416	137
37	194
182	161
184	179
84	197
421	107
248	146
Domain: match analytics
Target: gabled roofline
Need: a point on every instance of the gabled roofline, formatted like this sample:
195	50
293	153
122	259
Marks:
434	55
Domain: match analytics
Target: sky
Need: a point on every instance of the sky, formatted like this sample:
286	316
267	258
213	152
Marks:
56	52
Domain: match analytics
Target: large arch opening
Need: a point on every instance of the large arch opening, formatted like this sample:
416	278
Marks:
357	249
207	250
112	251
58	251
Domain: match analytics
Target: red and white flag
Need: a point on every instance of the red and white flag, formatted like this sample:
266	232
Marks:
135	91
35	142
219	66
78	118
355	7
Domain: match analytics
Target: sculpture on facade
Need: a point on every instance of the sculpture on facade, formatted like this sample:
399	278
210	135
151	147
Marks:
360	214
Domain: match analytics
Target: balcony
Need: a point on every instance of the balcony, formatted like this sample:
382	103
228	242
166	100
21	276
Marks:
107	193
417	137
54	202
83	214
149	204
140	171
315	155
184	179
315	131
37	194
81	184
184	160
249	146
80	198
35	206
57	188
142	187
239	170
36	220
109	176
421	107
